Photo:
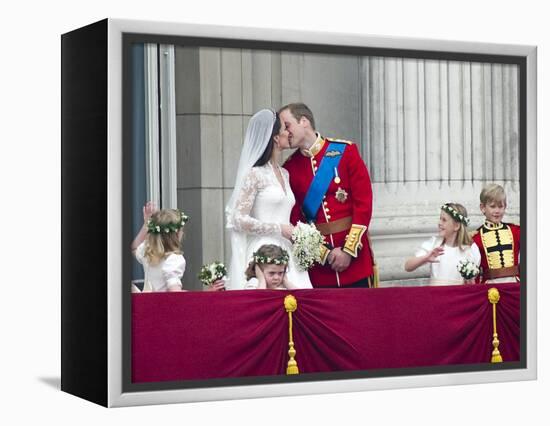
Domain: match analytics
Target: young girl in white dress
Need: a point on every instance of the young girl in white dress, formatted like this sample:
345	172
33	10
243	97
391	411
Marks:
444	252
267	269
157	247
258	211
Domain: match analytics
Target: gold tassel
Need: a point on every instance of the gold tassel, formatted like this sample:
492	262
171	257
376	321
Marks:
494	297
290	306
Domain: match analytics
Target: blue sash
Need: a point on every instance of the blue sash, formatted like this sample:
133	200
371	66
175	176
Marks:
321	181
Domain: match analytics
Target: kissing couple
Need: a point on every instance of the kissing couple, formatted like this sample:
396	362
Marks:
324	182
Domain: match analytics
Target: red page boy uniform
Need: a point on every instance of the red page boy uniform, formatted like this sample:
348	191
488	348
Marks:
499	248
332	188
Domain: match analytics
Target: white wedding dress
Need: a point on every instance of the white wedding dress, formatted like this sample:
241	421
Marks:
261	206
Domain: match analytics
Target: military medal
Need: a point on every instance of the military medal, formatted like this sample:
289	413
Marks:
341	195
337	179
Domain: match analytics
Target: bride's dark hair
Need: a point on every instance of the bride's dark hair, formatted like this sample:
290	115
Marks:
266	156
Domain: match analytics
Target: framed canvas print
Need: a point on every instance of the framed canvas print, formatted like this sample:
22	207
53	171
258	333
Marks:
252	213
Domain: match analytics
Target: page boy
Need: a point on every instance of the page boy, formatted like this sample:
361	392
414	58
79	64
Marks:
498	242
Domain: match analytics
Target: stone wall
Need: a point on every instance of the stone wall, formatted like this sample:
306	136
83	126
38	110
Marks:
429	131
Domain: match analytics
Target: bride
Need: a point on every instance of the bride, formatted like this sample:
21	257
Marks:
258	211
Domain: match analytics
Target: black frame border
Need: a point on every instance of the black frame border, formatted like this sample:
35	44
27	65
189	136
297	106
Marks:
84	183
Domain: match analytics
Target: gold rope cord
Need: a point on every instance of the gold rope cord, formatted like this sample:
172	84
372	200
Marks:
494	297
376	275
290	306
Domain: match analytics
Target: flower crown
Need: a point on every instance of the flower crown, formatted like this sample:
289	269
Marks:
157	228
455	214
280	260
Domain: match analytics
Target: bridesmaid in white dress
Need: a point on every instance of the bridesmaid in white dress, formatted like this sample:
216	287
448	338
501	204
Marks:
259	209
444	252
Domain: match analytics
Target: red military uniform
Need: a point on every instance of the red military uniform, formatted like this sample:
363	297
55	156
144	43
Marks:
344	215
499	247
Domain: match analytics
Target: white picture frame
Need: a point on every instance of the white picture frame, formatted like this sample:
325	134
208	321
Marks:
117	395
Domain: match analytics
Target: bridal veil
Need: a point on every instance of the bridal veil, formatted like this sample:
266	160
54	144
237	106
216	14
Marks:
257	138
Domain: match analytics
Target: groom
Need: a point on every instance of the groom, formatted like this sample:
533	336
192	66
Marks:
332	188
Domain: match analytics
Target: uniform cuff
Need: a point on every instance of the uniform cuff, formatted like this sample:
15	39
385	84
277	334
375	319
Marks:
353	240
324	253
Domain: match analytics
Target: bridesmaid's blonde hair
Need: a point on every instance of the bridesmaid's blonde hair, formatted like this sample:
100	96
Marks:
159	245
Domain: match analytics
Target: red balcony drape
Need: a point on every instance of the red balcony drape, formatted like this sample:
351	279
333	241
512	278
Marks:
202	335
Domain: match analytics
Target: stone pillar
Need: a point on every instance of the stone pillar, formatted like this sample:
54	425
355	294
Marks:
330	85
457	129
217	91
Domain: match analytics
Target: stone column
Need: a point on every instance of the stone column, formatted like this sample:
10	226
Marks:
217	91
457	129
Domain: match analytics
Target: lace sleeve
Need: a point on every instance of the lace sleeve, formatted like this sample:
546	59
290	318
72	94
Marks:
242	220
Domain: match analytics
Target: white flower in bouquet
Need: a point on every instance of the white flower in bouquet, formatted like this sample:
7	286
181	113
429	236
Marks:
306	247
468	269
212	272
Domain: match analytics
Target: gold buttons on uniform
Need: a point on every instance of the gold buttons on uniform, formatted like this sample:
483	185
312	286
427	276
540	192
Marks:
325	203
328	216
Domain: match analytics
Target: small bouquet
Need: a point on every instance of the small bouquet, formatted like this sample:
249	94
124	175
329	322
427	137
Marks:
468	269
306	247
212	272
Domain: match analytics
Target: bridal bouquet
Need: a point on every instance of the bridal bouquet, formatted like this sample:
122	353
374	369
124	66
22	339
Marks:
306	247
468	269
212	272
